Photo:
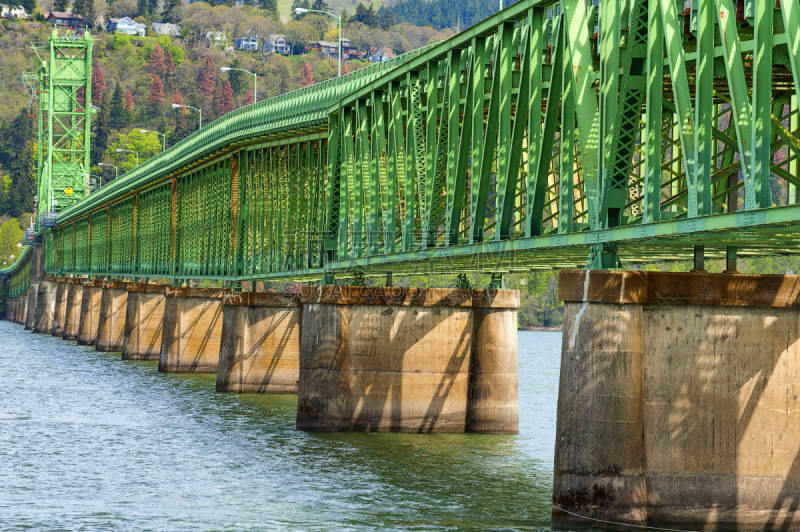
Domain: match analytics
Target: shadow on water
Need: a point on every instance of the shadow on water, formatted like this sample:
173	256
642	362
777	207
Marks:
126	447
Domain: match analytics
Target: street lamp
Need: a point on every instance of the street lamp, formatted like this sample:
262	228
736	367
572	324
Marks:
100	180
120	150
301	10
157	133
178	106
255	77
116	168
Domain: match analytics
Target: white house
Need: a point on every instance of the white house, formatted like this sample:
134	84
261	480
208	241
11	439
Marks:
166	28
13	12
126	25
277	44
216	38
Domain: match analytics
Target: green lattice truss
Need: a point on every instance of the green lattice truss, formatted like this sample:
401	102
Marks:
551	135
63	85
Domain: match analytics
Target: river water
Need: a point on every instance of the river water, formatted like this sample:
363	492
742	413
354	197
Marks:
88	442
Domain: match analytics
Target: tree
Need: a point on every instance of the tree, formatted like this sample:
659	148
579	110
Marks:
156	97
248	97
60	5
304	4
118	117
223	99
98	83
124	8
269	5
100	131
142	8
173	11
158	66
181	128
206	78
365	16
306	75
385	18
320	5
146	145
236	77
169	65
10	236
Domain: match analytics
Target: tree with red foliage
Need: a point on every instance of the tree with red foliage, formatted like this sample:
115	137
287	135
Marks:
169	64
223	99
156	97
206	78
345	69
180	120
157	65
248	97
306	75
99	86
129	102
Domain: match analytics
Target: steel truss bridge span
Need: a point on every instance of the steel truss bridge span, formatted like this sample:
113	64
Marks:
551	135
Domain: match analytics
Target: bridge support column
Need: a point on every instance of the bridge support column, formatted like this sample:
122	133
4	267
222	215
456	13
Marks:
45	306
60	308
143	322
30	307
72	312
22	310
260	345
90	311
111	317
678	401
192	330
409	360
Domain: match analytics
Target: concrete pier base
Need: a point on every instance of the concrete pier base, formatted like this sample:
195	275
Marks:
408	360
260	345
678	404
90	311
30	306
22	310
72	312
192	330
143	322
60	308
45	306
111	317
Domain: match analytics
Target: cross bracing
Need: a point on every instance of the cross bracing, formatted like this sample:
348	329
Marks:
551	135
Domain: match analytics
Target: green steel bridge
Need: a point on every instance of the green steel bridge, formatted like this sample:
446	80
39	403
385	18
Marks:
551	135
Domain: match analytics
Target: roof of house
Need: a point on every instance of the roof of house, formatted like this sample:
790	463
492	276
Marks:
274	37
126	20
158	25
62	14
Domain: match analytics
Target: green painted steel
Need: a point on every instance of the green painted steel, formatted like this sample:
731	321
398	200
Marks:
551	135
64	95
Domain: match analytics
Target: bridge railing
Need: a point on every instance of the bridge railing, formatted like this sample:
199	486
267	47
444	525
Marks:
18	275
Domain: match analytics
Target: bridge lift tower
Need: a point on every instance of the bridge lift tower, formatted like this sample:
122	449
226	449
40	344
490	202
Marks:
63	85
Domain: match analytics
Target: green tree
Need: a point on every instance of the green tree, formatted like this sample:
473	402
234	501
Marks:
60	5
100	131
118	117
10	236
236	77
173	10
145	144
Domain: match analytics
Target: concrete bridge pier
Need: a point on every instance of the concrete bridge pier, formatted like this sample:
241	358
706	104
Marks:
22	310
72	311
408	360
30	307
61	307
45	306
144	318
111	316
260	344
678	403
192	330
90	311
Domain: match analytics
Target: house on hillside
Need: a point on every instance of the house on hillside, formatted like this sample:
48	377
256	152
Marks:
166	28
126	25
13	12
277	44
216	38
246	43
66	21
331	49
376	55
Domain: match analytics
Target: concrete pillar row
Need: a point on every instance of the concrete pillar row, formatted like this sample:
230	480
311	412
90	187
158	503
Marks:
90	311
260	346
111	316
72	309
144	318
61	307
30	307
678	401
409	360
45	305
192	330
